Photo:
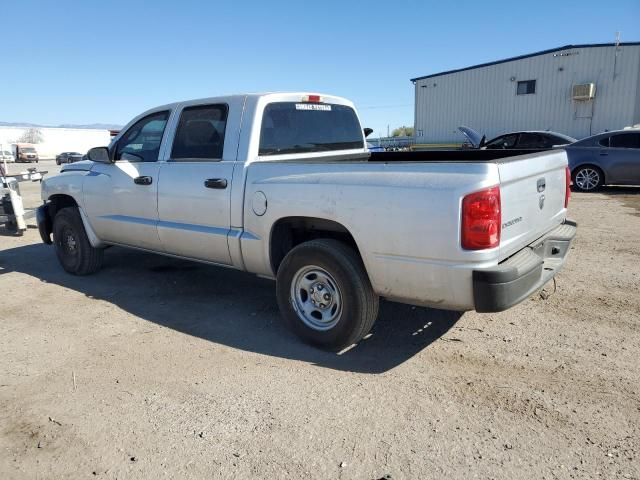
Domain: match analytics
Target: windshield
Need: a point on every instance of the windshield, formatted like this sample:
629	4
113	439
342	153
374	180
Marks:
289	127
28	149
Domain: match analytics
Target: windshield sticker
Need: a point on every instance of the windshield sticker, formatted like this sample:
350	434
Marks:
313	106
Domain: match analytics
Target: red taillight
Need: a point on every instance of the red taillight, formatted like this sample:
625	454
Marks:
481	219
567	191
312	98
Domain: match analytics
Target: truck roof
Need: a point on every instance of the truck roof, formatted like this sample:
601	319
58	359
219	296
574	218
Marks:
256	95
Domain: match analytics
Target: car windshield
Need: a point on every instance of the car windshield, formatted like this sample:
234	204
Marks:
504	141
28	149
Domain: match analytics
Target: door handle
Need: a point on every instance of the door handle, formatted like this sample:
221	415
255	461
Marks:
604	154
143	180
215	183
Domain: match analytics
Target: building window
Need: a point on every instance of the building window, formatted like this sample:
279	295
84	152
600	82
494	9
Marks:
526	87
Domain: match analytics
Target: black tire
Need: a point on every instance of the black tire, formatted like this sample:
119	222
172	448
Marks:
73	249
587	178
358	302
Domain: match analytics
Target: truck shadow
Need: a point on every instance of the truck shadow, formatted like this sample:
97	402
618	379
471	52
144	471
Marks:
629	196
620	190
229	307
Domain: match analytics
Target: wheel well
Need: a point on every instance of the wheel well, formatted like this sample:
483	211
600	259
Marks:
292	231
59	201
573	172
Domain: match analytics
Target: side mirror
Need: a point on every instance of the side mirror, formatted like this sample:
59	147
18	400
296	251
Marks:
367	131
99	154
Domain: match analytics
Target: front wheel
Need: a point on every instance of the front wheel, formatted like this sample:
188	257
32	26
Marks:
73	249
587	178
325	295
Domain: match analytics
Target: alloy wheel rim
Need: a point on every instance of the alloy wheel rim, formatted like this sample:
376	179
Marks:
588	178
316	298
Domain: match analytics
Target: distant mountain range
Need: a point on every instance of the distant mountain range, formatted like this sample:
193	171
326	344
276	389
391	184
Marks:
93	126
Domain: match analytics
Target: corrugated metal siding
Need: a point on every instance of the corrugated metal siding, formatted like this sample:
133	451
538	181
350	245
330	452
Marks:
485	98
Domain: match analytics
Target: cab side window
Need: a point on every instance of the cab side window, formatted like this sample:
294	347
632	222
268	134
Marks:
532	140
626	140
200	133
505	141
141	143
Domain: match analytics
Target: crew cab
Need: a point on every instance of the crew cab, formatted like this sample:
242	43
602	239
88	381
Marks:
282	185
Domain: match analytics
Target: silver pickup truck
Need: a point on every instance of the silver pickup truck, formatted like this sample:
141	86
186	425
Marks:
283	186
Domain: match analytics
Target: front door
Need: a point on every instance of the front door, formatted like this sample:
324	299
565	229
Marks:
194	192
121	197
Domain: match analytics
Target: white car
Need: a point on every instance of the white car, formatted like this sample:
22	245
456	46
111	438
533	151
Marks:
283	186
7	156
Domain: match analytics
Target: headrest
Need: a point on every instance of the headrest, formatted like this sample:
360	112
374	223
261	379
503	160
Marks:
200	132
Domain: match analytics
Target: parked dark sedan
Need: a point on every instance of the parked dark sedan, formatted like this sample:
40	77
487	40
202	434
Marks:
532	139
68	157
611	158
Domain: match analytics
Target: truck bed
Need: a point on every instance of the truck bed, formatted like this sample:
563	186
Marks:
449	155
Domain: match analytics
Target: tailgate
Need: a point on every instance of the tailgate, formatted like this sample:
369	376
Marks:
532	191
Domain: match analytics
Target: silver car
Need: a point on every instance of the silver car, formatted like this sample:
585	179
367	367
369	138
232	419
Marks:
611	158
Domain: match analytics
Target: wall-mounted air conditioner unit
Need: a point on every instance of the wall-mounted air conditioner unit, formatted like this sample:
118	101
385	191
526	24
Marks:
586	91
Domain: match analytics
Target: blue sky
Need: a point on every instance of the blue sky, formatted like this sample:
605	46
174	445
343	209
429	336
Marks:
89	61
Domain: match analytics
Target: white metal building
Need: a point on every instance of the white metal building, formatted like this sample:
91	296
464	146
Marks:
50	141
578	90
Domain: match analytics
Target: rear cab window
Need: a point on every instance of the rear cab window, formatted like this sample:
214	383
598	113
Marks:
304	127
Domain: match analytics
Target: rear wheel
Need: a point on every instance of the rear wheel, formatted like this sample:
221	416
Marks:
587	178
73	249
325	295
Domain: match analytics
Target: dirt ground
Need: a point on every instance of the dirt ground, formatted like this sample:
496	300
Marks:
159	368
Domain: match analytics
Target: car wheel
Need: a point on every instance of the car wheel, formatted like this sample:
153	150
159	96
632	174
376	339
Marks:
325	295
73	249
587	178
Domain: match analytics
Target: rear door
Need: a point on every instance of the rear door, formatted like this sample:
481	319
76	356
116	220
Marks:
623	158
194	192
532	190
